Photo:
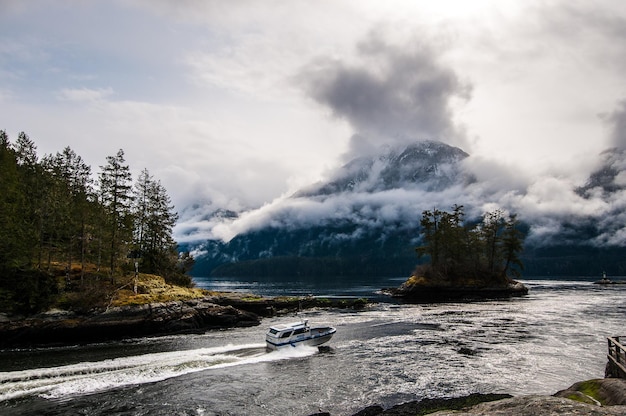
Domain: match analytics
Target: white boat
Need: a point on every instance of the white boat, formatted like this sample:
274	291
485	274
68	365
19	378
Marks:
297	333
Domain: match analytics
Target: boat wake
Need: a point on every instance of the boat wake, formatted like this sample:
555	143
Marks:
68	381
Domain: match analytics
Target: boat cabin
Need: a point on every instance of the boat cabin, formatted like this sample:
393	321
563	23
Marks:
289	330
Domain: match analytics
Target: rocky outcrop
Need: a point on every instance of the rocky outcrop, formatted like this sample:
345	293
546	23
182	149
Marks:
535	405
62	327
494	405
264	306
598	397
216	311
417	291
427	406
603	391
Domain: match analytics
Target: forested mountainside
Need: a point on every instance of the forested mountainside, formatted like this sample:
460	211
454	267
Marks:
364	220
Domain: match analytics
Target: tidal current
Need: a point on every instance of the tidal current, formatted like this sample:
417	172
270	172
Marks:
386	354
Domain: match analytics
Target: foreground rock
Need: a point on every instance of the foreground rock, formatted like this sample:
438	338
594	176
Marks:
602	391
518	406
418	290
535	405
62	327
427	406
593	397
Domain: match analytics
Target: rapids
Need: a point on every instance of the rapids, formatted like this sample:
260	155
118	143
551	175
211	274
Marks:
386	354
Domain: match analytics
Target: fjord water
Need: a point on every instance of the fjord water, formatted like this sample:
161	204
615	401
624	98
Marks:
386	354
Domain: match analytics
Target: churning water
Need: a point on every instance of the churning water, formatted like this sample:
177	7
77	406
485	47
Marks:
386	354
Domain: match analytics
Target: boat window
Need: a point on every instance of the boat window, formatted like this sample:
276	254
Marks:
273	331
299	331
286	334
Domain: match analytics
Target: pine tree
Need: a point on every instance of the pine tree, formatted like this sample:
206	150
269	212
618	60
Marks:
25	151
491	228
14	251
50	208
115	193
511	247
430	224
154	219
5	143
485	251
32	191
71	186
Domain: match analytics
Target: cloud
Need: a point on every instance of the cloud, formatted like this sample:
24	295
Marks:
394	93
221	100
85	94
365	209
551	206
616	120
596	28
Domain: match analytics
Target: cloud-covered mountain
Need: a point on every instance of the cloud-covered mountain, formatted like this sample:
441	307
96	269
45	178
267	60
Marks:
429	165
364	219
610	177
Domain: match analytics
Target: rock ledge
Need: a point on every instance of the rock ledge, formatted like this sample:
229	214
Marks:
63	327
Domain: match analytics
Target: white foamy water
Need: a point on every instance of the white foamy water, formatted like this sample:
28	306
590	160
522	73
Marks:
90	377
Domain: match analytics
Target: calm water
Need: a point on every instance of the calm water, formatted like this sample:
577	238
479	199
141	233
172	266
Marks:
386	354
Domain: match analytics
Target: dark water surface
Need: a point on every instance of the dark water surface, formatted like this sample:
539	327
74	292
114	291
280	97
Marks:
386	354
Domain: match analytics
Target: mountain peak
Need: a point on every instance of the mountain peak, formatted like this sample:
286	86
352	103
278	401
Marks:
428	164
610	177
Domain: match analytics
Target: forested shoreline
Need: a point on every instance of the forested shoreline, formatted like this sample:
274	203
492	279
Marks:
68	235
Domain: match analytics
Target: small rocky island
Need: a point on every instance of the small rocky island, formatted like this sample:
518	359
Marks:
606	281
419	289
468	261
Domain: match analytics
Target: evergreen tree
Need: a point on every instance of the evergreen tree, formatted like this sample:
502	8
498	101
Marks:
71	186
115	194
51	214
22	289
512	239
14	252
154	219
32	190
491	228
185	262
25	151
5	143
484	251
430	224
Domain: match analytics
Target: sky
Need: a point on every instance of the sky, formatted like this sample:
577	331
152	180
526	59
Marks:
237	105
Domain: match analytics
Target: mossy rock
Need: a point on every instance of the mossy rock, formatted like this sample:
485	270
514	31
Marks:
416	281
605	392
151	289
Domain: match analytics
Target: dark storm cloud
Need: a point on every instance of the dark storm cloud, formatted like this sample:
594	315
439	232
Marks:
392	94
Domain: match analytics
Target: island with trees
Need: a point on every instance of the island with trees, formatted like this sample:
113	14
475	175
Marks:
467	260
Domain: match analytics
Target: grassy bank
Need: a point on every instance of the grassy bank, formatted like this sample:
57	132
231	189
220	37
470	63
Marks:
82	290
87	291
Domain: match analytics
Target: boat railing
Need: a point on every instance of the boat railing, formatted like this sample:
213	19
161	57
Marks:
616	367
